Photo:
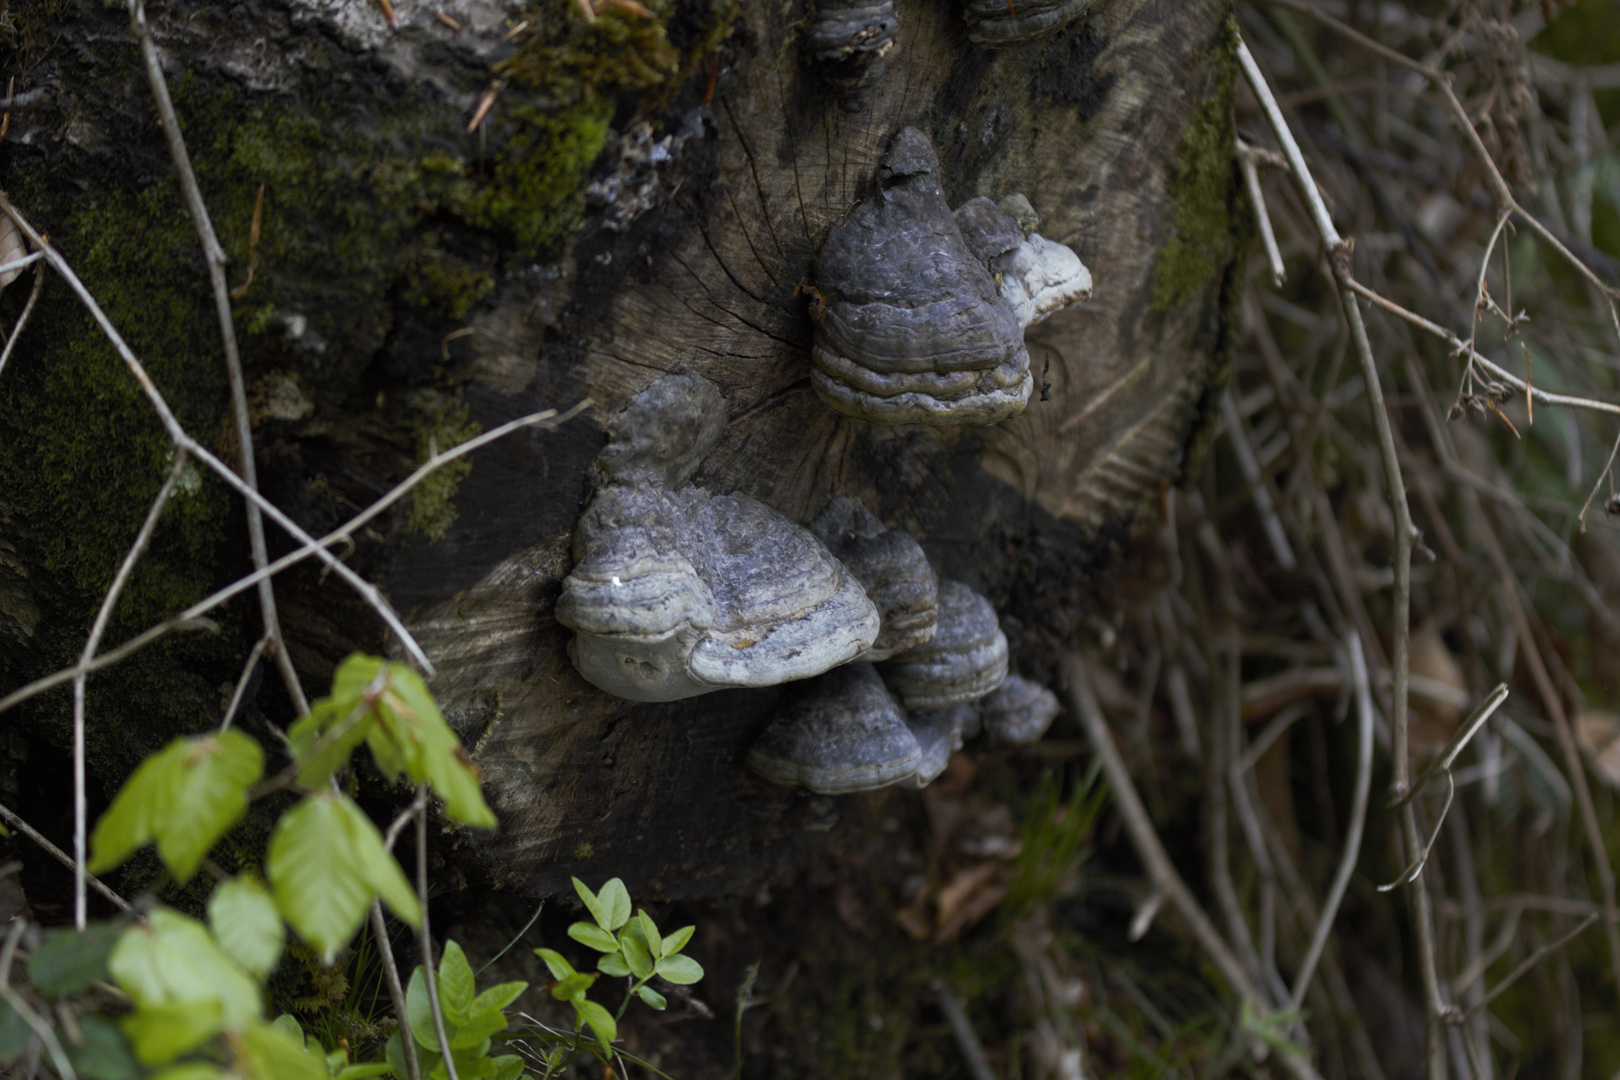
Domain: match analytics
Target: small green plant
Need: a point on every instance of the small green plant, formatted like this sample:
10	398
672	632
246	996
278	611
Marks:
632	948
471	1020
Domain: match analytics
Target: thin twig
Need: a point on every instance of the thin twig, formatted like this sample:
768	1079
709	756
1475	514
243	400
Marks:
38	1024
967	1040
396	991
1529	962
1339	254
1257	196
81	811
242	681
22	320
61	856
214	257
1358	820
190	618
428	974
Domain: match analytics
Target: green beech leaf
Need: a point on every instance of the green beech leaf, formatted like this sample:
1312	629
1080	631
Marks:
71	961
615	899
599	1020
130	822
266	1052
560	968
675	942
613	964
412	736
161	1033
209	798
326	863
243	917
592	904
191	1070
635	955
681	970
322	740
508	1067
288	1024
14	1034
476	1031
364	1072
496	998
593	936
573	987
394	1054
456	986
102	1053
651	997
171	960
419	1011
650	935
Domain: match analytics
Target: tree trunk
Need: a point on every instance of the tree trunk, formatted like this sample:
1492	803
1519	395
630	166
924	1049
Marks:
641	197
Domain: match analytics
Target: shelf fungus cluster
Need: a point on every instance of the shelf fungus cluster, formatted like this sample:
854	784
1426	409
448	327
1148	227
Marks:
677	592
1016	22
920	313
849	43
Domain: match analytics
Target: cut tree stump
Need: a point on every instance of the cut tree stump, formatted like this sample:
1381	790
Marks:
1118	129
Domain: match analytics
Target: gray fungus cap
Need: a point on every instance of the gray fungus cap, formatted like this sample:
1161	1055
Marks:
965	660
843	733
939	734
849	43
1018	712
891	567
1034	276
998	22
676	593
909	327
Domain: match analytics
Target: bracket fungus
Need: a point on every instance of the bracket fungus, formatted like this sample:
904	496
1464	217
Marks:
849	43
939	735
844	733
1018	712
909	327
965	659
891	567
676	592
1002	22
1035	276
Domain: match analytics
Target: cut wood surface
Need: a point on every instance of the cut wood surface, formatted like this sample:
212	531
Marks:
1087	126
707	206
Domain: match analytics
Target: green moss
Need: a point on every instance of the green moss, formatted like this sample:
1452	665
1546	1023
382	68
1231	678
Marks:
1201	189
575	60
445	424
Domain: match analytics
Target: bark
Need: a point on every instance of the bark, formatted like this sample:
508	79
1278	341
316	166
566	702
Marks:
443	307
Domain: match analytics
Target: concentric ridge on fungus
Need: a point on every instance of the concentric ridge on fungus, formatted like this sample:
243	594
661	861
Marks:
849	43
965	660
676	592
909	327
891	567
843	733
998	22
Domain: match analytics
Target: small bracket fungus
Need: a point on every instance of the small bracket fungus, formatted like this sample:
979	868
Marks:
677	592
1002	22
909	327
939	735
1018	712
844	733
965	660
1034	275
890	566
849	43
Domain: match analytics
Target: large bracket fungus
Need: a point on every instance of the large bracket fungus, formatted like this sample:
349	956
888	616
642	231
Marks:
849	43
844	733
1002	22
891	567
965	660
1034	275
909	327
676	592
